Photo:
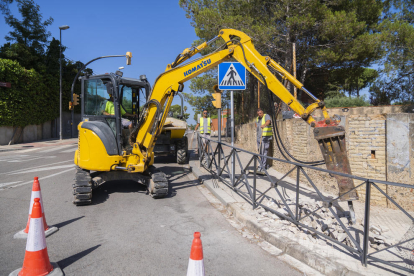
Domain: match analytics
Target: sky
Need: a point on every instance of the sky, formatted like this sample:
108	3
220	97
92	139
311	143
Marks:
154	31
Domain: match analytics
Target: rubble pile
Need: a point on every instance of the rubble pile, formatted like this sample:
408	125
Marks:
316	215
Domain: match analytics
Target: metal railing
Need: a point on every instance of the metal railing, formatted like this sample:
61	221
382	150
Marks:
216	162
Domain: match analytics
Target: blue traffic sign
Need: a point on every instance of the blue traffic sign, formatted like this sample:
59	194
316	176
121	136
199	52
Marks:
231	76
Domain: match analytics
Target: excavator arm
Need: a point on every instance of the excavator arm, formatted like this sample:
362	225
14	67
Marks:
239	46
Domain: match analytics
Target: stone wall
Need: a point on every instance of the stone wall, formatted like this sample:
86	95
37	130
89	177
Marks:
366	151
30	133
380	146
33	133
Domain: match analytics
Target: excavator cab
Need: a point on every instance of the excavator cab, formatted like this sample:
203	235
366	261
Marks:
104	99
104	148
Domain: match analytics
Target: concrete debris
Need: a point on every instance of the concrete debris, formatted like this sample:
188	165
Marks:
315	225
376	230
293	229
274	216
283	211
384	229
342	237
262	219
321	220
312	239
379	237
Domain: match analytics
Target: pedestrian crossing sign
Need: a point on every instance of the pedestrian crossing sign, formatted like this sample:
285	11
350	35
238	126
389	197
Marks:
231	76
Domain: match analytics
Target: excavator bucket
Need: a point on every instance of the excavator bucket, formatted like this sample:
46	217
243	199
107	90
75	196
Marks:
331	140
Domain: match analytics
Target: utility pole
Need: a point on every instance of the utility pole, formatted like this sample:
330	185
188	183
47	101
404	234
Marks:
64	27
258	94
295	92
242	106
232	137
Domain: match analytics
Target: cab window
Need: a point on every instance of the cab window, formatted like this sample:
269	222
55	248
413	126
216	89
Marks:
127	99
96	97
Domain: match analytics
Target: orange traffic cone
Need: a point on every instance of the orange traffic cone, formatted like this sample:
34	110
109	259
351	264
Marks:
36	260
196	263
36	193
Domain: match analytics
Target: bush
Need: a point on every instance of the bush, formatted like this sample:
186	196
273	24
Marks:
342	101
32	98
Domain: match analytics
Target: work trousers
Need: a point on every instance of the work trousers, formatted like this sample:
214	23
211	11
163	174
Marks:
204	142
263	148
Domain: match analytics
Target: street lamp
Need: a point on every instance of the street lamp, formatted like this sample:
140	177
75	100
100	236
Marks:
64	27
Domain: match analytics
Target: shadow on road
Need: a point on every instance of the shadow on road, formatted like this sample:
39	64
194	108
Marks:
102	193
70	260
64	223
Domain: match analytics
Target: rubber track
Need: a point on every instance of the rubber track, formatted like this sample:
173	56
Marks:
82	188
161	187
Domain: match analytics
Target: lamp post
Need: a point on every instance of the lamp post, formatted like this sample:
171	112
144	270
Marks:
64	27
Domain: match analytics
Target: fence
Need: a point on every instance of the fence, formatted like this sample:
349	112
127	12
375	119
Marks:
213	158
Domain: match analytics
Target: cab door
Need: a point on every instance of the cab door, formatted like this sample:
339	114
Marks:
95	98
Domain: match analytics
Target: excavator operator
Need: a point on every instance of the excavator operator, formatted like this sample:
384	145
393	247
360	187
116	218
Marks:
110	110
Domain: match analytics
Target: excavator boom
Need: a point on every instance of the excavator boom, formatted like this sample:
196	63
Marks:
238	45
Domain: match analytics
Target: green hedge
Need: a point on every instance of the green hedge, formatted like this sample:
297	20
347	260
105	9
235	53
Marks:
342	101
32	98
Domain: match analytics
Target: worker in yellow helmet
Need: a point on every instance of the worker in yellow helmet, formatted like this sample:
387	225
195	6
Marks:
205	126
264	136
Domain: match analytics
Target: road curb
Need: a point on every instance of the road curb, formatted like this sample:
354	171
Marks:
286	245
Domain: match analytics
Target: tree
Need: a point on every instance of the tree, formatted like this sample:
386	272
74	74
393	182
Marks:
4	6
333	34
341	82
176	110
31	30
396	81
22	54
199	103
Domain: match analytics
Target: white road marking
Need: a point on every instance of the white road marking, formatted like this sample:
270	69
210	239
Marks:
29	149
30	159
40	178
55	148
44	169
37	167
9	183
69	150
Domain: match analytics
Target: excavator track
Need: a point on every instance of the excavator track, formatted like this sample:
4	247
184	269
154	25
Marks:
82	188
158	184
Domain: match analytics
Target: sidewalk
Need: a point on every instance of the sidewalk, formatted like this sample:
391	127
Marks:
39	144
388	226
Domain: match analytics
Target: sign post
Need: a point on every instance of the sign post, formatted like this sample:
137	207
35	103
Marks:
232	76
217	104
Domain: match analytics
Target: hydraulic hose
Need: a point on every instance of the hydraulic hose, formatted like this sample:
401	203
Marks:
277	134
134	132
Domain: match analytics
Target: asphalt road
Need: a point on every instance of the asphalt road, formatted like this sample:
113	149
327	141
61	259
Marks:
125	231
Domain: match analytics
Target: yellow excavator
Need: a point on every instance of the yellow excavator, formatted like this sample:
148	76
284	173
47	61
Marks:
108	151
